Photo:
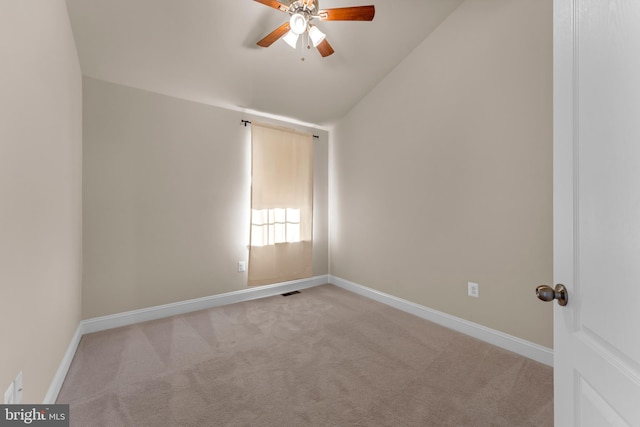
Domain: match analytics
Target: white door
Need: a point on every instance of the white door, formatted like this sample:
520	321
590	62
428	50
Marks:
597	212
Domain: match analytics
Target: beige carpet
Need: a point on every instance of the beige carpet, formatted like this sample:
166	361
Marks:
324	357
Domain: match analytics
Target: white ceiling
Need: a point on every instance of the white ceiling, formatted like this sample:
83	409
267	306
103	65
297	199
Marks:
205	50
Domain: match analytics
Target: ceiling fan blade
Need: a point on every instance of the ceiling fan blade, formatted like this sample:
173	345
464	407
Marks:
353	13
325	48
274	4
274	35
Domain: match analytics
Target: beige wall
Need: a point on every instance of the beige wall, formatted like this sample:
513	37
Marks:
443	173
40	192
166	199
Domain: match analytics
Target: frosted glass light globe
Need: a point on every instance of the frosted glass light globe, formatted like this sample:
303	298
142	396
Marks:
298	23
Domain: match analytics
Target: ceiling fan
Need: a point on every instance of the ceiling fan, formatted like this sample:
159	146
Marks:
302	12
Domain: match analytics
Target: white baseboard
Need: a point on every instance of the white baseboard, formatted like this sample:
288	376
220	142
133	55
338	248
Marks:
508	342
167	310
525	348
61	373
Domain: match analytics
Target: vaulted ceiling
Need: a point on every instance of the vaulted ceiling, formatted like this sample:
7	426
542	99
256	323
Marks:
205	51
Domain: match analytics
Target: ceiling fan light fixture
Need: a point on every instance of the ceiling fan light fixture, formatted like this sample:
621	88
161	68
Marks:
298	23
291	39
316	36
301	13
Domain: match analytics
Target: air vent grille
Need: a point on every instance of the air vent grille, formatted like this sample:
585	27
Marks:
290	293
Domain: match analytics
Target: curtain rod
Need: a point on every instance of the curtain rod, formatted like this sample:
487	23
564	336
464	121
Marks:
247	122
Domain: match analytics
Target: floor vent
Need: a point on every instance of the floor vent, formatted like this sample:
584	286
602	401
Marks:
290	293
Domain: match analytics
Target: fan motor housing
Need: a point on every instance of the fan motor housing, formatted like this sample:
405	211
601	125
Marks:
298	6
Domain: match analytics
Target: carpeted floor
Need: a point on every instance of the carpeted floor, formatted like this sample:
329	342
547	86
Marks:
324	357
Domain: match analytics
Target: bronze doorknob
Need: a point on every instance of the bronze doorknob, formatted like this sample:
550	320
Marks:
547	293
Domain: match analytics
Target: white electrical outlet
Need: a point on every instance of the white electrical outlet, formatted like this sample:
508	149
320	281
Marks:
242	266
473	289
17	388
8	395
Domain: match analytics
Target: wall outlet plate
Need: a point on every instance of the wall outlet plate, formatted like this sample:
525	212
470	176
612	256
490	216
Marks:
17	388
473	289
242	266
8	395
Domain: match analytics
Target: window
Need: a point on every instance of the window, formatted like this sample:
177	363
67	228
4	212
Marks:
273	226
281	205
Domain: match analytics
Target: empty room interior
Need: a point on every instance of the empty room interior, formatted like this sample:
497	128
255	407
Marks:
126	207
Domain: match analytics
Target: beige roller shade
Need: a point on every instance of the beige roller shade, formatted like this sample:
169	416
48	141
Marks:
281	205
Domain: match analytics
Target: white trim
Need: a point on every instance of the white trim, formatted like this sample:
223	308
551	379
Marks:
508	342
167	310
61	373
500	339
